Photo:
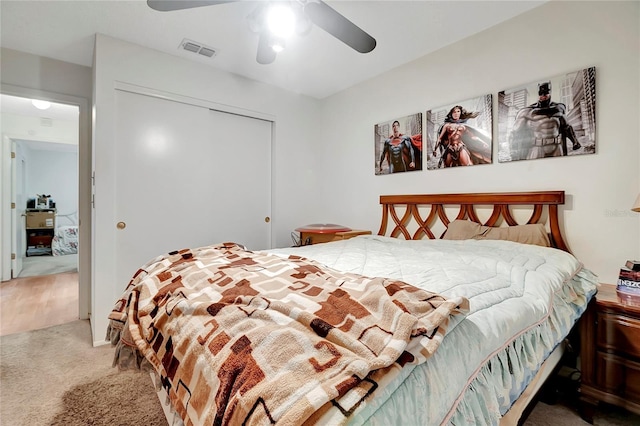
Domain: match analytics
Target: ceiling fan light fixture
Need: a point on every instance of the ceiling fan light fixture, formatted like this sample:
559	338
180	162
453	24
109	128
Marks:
41	104
281	21
277	44
303	24
255	19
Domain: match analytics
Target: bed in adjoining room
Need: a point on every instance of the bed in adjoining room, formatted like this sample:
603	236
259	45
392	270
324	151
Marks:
455	313
65	237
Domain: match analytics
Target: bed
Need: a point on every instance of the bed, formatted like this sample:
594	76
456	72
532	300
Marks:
455	313
65	237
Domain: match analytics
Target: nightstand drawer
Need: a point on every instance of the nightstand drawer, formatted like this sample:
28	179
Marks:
39	240
619	334
618	376
610	353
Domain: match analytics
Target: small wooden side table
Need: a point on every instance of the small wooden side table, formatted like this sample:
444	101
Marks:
307	238
610	353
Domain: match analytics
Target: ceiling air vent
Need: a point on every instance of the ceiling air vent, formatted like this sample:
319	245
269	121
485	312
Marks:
199	48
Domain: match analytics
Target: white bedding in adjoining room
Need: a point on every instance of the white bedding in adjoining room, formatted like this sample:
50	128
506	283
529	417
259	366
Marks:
65	240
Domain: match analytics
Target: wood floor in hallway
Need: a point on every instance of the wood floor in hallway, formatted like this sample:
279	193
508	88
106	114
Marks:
32	303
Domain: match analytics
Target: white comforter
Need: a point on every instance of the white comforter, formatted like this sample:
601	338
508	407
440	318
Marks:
523	301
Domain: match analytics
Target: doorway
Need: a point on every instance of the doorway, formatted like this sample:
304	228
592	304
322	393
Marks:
47	169
42	140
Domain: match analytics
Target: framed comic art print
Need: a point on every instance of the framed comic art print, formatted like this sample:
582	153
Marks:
459	134
553	117
398	145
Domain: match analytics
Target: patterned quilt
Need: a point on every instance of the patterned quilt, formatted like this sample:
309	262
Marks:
65	241
240	337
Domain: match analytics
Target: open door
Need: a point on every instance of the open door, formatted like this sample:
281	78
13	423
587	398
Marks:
18	206
12	211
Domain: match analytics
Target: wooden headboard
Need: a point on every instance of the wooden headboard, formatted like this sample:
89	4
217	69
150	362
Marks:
499	201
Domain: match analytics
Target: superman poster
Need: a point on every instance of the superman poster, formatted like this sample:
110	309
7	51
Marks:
398	145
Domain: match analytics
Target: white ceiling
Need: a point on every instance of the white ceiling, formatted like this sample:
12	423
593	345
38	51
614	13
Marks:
22	106
317	64
27	123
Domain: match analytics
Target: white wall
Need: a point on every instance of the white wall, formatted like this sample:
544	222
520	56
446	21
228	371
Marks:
294	143
21	127
551	40
54	173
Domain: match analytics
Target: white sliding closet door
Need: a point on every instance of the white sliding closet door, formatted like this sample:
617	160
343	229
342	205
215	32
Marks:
187	176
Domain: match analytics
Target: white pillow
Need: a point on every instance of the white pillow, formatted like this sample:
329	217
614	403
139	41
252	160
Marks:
534	234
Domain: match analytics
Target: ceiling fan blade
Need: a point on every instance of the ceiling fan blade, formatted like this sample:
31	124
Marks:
169	5
266	54
338	26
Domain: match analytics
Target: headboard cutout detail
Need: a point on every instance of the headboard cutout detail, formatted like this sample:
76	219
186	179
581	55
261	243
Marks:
499	201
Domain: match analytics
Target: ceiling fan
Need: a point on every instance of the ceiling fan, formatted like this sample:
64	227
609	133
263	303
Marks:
304	12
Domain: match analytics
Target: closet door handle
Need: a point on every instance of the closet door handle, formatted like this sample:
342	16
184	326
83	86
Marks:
121	225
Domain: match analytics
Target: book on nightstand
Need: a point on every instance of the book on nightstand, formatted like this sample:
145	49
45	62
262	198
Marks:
628	274
628	286
634	265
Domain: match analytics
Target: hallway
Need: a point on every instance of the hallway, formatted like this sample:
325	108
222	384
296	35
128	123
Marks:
36	302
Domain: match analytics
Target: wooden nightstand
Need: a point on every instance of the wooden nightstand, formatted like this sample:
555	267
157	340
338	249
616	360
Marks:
610	353
316	238
40	225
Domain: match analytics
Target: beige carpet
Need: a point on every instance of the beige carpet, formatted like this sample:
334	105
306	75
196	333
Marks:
53	376
563	415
